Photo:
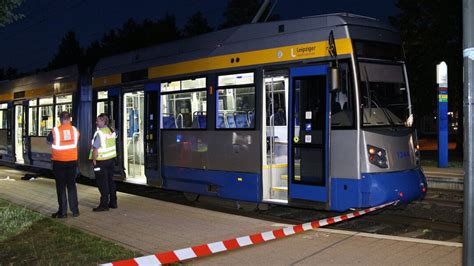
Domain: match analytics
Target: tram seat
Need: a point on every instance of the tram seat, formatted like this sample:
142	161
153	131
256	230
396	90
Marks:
202	120
199	120
280	118
231	121
336	108
221	121
184	120
169	122
345	107
251	117
241	120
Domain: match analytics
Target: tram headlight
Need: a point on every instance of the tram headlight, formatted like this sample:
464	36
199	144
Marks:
377	156
417	155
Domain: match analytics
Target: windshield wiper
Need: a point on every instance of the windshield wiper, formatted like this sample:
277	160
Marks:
367	89
369	98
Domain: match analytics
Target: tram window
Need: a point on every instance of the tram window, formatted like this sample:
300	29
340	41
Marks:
188	84
277	101
102	103
3	116
342	102
184	110
102	107
46	101
32	118
181	108
63	103
236	108
46	122
102	95
236	101
236	79
193	84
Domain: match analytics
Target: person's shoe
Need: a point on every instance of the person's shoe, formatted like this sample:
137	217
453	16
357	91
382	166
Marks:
112	206
75	214
100	209
58	215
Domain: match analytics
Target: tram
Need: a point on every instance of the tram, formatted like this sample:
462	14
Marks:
313	111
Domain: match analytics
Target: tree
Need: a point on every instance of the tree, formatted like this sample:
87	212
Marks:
69	52
133	35
239	12
431	33
8	74
6	11
196	25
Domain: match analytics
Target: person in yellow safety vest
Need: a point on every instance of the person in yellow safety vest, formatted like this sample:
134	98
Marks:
103	153
64	139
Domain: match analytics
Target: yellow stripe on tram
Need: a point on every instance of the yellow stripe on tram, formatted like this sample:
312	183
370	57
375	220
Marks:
260	57
275	166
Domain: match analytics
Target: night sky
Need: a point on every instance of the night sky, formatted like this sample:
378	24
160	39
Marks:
30	43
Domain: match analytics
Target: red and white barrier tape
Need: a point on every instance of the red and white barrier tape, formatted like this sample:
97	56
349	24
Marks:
226	245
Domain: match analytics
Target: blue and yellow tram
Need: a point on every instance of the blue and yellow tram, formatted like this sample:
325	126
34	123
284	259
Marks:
270	112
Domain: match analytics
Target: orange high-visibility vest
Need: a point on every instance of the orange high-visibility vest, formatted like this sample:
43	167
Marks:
64	147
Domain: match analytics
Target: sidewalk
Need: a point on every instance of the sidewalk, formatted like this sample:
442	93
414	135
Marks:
444	178
152	226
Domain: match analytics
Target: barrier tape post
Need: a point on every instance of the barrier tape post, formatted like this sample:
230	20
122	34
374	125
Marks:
230	244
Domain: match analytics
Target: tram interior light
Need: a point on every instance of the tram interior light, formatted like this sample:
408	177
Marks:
377	156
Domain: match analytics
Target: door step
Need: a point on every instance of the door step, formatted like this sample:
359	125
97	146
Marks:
280	188
276	201
285	177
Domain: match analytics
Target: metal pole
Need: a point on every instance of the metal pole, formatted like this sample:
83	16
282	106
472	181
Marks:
468	53
259	14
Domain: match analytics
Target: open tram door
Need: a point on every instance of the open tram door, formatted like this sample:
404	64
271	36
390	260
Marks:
20	132
308	135
107	101
275	137
152	137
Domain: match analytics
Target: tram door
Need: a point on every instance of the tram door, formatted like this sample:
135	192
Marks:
275	148
152	125
309	134
19	133
133	136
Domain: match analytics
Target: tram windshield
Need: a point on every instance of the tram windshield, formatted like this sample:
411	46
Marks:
384	95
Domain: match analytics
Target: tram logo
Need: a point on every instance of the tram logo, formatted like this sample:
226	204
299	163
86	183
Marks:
403	154
280	54
303	51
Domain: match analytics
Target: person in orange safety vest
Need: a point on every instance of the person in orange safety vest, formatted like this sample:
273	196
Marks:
64	139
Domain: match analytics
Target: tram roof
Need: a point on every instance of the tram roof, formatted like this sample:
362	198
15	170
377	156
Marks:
41	80
249	37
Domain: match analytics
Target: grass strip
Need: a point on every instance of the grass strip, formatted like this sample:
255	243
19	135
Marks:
30	238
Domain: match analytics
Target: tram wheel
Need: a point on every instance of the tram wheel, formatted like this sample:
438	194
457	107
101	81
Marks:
192	197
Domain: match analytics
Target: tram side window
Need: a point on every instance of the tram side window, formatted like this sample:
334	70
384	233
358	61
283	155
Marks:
342	102
3	116
236	101
183	104
63	103
102	104
46	122
33	118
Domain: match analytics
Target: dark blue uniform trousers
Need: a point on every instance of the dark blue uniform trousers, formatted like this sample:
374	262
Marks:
104	175
65	175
